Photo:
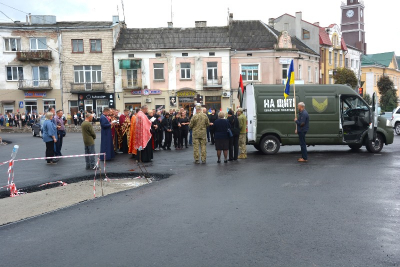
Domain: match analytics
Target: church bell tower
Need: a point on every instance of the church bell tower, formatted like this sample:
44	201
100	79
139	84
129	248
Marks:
353	24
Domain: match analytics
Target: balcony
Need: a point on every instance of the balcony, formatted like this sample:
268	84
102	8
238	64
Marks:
131	84
212	83
77	88
39	55
34	85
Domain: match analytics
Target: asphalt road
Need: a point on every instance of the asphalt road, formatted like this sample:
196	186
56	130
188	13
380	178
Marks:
342	208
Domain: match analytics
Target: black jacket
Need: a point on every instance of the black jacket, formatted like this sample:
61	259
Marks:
185	120
234	123
167	123
175	123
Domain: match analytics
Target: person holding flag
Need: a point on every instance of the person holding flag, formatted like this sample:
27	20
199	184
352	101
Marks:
302	122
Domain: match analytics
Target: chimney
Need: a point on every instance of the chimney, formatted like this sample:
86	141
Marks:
200	24
170	24
271	22
299	17
230	17
115	19
316	24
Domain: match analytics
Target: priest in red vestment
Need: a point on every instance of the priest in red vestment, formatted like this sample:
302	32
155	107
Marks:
143	136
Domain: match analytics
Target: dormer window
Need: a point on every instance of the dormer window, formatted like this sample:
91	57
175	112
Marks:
306	34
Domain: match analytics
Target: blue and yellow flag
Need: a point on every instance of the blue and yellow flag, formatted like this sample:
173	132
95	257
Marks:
290	80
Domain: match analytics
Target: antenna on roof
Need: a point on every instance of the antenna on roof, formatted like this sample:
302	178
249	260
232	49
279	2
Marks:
118	11
228	17
171	11
123	9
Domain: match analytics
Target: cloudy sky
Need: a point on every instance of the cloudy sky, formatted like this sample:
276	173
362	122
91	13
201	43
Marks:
380	16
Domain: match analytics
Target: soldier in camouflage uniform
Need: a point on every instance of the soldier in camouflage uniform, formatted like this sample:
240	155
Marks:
199	124
242	137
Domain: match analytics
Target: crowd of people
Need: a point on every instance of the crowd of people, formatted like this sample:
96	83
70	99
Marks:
18	119
142	131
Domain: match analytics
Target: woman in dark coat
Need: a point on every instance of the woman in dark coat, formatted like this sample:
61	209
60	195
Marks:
221	136
176	127
167	125
234	140
184	129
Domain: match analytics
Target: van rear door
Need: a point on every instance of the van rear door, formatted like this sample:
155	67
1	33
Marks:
249	103
374	119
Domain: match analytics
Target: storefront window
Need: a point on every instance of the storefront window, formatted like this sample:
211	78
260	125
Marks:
31	106
100	105
88	106
213	102
47	104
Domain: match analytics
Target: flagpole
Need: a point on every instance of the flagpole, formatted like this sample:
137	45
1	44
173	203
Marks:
294	102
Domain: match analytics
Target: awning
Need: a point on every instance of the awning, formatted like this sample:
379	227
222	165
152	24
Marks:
130	64
7	101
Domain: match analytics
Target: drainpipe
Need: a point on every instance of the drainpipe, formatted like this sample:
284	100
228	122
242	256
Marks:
61	69
230	81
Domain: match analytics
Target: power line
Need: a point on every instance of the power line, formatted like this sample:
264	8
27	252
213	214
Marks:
7	16
13	8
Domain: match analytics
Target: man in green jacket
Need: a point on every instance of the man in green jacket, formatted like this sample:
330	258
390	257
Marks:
89	135
199	124
242	137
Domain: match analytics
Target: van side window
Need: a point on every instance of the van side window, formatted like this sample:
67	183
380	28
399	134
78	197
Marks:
398	111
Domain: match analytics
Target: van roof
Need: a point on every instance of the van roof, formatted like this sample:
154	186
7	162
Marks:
311	88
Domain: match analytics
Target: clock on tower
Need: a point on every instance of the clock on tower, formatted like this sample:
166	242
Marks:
353	24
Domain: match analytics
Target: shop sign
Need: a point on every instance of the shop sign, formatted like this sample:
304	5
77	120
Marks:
146	92
136	92
186	99
283	61
186	94
96	96
35	94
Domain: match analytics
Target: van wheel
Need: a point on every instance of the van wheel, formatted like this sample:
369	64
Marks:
355	147
397	128
270	145
257	147
33	133
375	147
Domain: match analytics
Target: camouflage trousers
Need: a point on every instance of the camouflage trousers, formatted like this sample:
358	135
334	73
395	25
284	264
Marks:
199	142
242	144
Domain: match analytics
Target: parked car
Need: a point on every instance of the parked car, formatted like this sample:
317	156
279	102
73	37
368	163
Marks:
396	120
387	115
37	128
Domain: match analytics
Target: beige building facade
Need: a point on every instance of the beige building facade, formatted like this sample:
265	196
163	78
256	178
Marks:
65	65
29	72
87	67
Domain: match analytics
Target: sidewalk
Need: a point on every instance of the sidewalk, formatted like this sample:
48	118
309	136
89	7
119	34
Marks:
27	129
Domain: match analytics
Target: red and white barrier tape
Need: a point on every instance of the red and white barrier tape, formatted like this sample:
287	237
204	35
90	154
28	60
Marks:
4	163
13	189
10	172
60	157
95	174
